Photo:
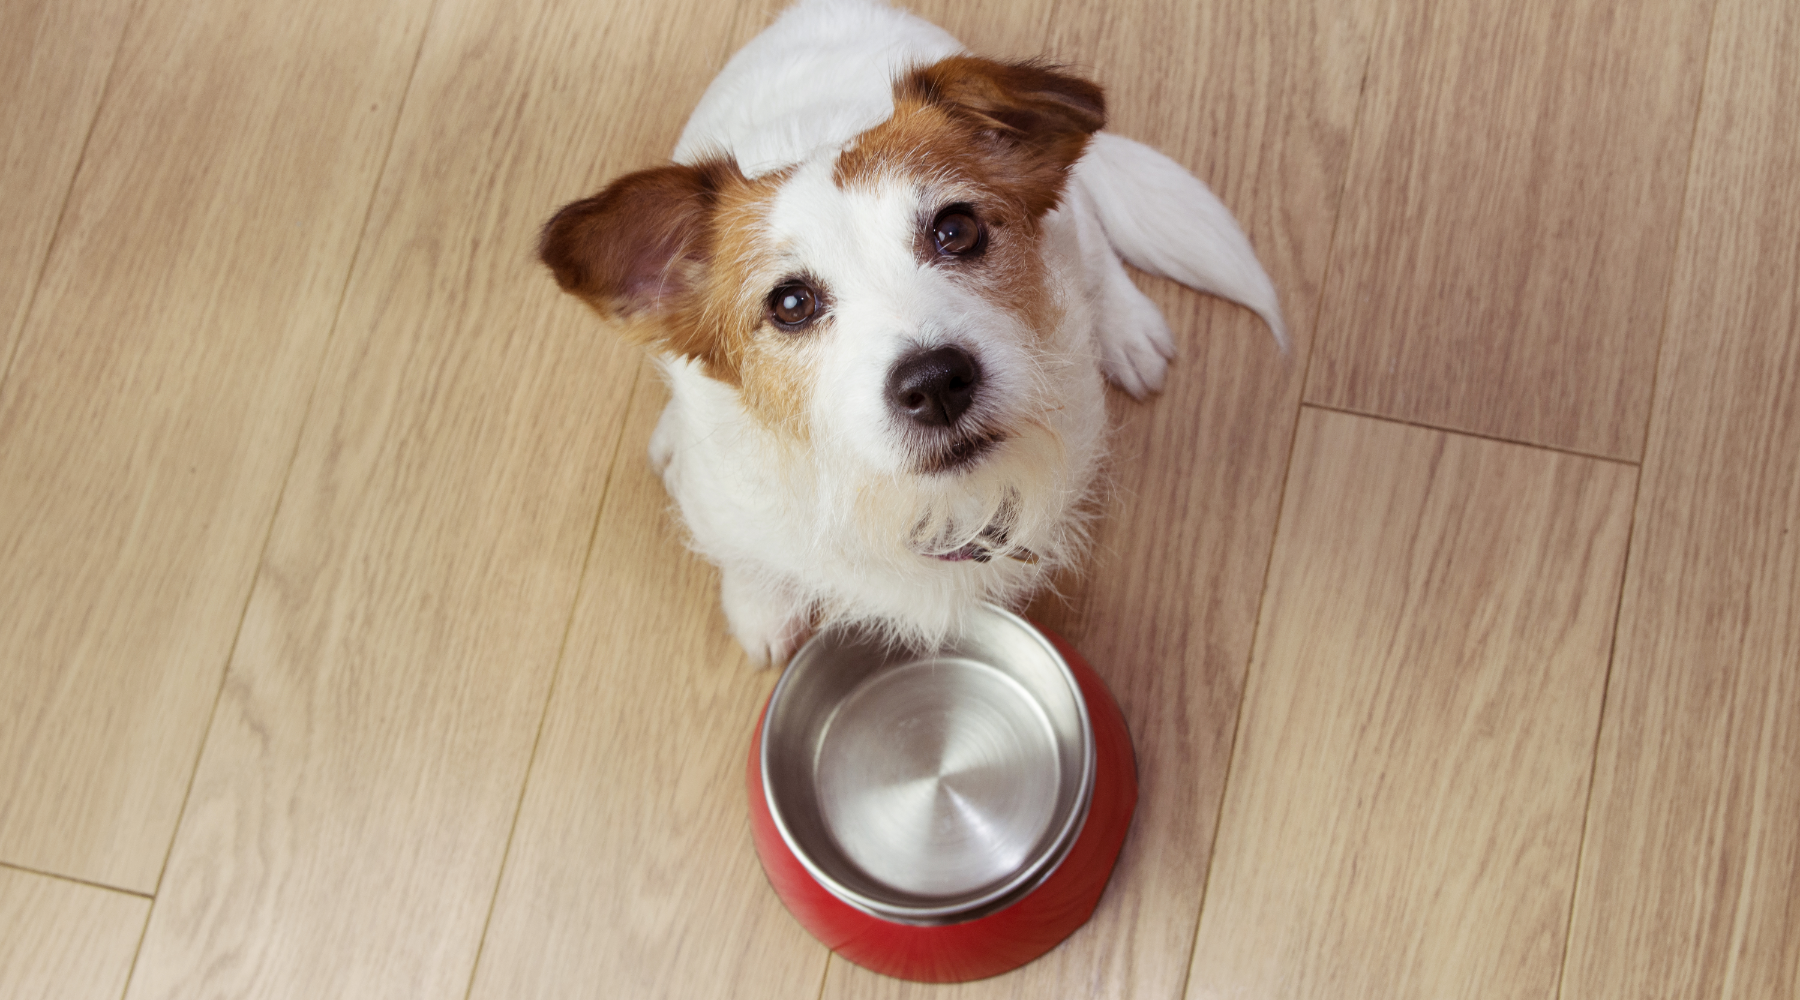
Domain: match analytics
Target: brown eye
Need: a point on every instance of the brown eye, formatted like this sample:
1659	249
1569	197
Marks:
956	232
793	304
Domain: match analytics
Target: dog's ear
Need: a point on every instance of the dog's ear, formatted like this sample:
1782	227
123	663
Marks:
642	244
1036	115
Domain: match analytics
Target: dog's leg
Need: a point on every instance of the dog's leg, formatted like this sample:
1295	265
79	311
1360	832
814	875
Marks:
1135	345
1161	219
769	621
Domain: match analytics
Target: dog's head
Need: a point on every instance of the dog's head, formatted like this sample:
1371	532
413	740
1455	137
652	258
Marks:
887	306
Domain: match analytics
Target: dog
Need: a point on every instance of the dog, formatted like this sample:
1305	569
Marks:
882	278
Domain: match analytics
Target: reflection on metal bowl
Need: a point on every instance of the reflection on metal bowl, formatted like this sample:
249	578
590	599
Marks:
946	816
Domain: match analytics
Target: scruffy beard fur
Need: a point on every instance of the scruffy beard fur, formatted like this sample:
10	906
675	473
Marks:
794	269
1030	499
839	537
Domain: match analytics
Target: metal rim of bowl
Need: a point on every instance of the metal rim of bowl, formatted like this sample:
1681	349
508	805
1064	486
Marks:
1003	894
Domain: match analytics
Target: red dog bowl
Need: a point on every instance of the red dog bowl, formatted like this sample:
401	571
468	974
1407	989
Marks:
942	817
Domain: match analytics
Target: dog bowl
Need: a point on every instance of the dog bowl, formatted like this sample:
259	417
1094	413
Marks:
945	816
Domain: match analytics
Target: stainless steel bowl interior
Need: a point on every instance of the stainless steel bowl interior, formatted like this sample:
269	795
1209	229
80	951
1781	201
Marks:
929	788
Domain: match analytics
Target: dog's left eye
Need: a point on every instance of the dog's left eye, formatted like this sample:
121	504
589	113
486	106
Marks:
793	304
956	232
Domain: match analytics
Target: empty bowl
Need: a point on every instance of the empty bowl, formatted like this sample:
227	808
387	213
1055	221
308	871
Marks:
941	816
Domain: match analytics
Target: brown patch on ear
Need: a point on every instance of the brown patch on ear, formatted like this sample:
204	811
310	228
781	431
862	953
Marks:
634	246
1000	137
640	250
1035	117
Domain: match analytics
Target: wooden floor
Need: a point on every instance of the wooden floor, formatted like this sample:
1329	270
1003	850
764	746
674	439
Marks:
347	650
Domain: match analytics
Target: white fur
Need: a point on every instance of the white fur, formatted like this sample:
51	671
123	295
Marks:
1161	219
836	525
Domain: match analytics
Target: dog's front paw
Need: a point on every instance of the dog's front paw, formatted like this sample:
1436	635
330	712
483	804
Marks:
1135	344
767	620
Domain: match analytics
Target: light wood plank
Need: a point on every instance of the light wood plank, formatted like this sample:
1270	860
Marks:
1017	30
349	821
1258	99
1406	793
1509	227
60	940
175	330
632	865
54	58
159	388
1690	879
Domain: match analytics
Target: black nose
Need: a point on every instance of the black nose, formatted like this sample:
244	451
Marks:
933	387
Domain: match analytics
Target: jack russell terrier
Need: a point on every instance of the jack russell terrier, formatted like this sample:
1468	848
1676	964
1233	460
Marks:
883	280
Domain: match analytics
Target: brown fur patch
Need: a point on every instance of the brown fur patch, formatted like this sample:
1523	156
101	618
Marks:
646	251
998	136
778	386
931	150
680	256
772	368
1014	128
634	246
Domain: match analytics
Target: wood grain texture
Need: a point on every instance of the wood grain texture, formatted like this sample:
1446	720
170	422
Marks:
1690	879
1258	100
632	865
158	390
1503	259
54	59
1406	793
349	819
61	940
1018	30
427	669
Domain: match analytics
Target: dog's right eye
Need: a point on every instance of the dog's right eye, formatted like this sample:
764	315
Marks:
793	304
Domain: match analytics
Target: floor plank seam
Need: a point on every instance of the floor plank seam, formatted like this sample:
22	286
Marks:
1333	891
27	870
137	950
299	437
1237	721
1687	187
21	318
281	493
1587	812
562	653
24	316
1477	435
1287	469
